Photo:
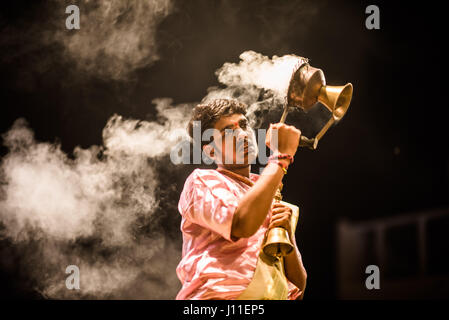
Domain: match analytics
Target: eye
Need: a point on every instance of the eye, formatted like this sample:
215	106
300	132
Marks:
243	124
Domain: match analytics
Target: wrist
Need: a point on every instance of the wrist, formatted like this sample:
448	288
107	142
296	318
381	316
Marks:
282	156
289	152
285	162
282	164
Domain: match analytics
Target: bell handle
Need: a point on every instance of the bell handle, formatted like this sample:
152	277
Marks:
303	141
284	114
308	143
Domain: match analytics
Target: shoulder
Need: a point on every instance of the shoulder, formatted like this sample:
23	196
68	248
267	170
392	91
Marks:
203	180
203	174
203	177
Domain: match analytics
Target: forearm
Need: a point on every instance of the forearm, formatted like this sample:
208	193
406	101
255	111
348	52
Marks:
255	205
294	269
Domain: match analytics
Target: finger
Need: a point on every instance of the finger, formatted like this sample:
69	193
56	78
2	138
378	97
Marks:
278	212
280	208
279	223
279	217
279	205
281	213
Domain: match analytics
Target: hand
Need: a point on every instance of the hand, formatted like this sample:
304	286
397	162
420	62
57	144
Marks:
287	138
281	217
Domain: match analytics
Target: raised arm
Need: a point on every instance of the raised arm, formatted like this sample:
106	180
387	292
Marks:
255	205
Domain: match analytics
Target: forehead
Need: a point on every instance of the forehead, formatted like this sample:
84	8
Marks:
228	120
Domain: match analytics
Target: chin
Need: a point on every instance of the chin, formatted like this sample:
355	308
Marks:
245	163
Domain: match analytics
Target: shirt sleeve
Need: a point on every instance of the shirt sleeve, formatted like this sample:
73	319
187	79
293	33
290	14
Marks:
208	202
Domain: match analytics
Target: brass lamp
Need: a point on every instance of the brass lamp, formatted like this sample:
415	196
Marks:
307	87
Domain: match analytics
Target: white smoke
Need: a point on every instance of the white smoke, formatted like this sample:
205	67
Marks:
261	71
57	201
145	138
115	37
257	80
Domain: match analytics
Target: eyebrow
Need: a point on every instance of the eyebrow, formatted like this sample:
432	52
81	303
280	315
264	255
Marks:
227	127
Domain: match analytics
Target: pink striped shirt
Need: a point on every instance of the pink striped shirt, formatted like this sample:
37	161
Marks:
214	266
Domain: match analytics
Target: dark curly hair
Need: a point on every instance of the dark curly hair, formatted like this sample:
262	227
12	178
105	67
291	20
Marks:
209	113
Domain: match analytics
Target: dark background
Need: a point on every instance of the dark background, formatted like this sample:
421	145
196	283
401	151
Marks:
389	156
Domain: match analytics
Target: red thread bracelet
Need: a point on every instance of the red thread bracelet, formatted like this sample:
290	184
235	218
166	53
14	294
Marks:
279	156
279	163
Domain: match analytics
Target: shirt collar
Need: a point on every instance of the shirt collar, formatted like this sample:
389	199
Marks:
238	177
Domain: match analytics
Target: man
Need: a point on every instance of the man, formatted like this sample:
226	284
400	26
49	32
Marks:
226	212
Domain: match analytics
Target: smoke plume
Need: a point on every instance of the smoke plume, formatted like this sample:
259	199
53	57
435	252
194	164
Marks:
97	211
115	37
260	82
259	70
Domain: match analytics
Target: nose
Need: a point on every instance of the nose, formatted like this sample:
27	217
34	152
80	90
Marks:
241	135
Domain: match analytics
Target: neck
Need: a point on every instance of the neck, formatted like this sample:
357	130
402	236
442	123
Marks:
243	171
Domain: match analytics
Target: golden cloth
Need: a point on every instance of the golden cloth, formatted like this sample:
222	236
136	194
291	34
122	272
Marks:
269	281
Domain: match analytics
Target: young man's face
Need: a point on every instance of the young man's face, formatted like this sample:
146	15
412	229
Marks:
234	142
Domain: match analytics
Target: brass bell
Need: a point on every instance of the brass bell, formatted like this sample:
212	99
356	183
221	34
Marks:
277	243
